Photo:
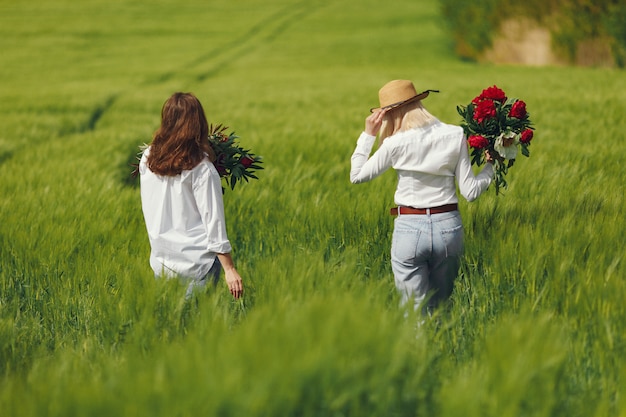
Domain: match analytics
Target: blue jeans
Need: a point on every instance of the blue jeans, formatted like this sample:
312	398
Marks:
425	256
213	276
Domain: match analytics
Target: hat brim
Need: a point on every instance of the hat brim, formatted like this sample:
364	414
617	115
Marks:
420	96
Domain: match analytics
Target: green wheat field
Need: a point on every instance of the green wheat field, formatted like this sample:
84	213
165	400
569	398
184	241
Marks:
537	322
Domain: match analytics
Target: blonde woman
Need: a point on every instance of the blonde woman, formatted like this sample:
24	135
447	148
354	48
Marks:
430	159
181	198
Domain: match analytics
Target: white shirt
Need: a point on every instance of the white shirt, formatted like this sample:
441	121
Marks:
427	161
184	216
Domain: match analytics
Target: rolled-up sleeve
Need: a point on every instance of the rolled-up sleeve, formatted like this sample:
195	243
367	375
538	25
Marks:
208	195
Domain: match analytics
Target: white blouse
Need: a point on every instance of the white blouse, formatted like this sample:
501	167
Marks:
184	216
427	160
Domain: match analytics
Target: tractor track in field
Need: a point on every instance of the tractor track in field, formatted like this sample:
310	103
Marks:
221	57
210	63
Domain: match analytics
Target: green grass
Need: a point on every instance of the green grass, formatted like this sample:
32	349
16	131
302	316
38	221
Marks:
537	321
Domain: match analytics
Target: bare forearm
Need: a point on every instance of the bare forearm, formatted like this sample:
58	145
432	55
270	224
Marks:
234	281
226	260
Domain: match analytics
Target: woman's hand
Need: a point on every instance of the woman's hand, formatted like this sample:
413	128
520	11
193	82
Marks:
374	121
234	281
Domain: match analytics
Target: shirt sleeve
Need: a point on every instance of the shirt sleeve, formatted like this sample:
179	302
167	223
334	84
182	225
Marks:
208	195
470	185
364	169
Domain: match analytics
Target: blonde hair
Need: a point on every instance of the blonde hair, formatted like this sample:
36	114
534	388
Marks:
405	117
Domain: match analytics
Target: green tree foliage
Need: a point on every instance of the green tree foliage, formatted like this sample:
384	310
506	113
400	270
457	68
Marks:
570	21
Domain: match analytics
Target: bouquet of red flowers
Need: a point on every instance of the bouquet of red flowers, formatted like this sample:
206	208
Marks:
500	125
233	163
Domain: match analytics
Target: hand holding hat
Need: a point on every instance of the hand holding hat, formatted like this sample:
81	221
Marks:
374	121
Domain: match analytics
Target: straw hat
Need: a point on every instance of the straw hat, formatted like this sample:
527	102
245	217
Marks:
398	92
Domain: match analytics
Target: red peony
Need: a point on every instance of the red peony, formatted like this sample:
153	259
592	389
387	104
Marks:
491	93
484	110
518	110
246	161
478	141
526	136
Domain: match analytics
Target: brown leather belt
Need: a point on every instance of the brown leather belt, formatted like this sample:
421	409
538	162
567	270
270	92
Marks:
433	210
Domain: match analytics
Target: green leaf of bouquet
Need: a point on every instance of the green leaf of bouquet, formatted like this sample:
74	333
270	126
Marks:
477	156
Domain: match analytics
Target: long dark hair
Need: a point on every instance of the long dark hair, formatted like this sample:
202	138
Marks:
181	141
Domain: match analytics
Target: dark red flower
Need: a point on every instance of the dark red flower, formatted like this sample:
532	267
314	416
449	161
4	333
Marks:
494	93
484	110
491	93
518	110
527	136
478	141
246	161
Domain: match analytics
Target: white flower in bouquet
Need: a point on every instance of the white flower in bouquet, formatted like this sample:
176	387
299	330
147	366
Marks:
506	145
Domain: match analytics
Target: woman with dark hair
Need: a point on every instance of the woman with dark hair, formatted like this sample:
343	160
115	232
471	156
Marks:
428	156
181	198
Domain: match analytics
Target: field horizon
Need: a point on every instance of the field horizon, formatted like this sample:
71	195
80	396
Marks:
536	324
